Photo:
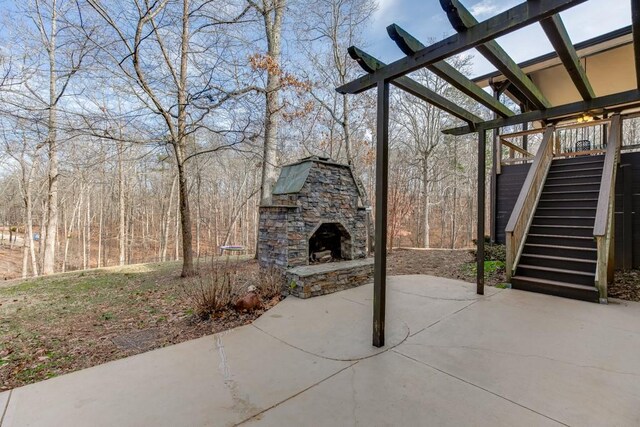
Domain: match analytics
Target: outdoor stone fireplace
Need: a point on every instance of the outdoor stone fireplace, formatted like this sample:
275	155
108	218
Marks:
315	228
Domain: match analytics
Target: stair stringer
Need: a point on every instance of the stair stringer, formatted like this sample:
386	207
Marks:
516	260
517	230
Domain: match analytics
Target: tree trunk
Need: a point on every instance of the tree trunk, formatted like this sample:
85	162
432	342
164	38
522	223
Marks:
425	189
185	217
273	29
198	213
121	207
100	229
25	255
67	237
51	232
180	145
85	235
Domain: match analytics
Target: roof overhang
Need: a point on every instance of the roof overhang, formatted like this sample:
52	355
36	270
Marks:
608	61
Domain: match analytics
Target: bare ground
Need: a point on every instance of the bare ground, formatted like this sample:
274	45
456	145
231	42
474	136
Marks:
453	264
626	286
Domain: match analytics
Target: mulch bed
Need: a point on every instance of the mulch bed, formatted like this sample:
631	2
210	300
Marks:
452	264
626	286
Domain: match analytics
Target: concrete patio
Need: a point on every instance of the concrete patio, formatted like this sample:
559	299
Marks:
452	358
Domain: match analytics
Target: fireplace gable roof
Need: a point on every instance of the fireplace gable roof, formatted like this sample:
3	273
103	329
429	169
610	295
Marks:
293	176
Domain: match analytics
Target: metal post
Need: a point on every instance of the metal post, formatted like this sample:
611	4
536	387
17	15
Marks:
382	172
482	139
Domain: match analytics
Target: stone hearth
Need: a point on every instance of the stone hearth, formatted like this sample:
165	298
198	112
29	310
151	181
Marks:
316	217
320	279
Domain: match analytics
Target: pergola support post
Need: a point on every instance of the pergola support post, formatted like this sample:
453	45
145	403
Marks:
382	173
482	139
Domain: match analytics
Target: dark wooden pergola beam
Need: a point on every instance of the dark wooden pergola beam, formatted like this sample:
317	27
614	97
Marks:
612	102
557	33
462	21
503	23
371	64
410	45
635	25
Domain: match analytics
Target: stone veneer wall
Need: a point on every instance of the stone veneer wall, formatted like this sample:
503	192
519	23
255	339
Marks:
321	279
273	235
329	195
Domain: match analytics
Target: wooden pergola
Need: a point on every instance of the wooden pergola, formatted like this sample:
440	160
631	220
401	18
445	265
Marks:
481	36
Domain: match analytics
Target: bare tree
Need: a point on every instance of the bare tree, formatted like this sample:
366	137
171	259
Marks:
65	53
26	156
272	13
178	89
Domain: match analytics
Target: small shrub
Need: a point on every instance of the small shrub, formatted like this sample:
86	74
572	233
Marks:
490	268
215	289
107	316
269	283
492	251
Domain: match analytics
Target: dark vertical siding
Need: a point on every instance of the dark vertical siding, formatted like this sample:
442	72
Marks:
510	181
508	187
632	159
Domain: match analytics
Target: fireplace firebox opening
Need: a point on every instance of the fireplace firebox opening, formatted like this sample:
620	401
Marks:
330	242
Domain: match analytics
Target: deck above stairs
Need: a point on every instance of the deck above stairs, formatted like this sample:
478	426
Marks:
559	255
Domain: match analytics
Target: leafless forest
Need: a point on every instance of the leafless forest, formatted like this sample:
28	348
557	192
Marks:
150	130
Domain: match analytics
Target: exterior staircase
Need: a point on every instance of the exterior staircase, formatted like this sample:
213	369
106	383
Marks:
559	256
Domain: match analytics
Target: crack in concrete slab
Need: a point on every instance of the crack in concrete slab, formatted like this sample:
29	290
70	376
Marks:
240	403
535	356
6	408
223	366
446	299
355	302
334	358
445	317
354	394
275	405
481	388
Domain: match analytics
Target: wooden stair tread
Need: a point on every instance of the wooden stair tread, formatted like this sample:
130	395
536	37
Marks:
565	217
572	184
592	159
562	236
556	283
564	226
593	208
569	200
577	248
558	178
569	192
559	258
574	170
556	270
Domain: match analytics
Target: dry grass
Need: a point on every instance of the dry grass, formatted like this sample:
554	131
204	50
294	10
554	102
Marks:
58	324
